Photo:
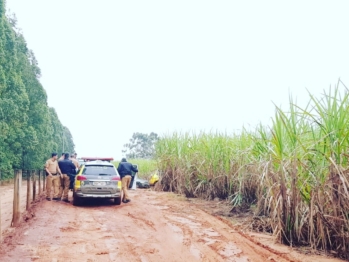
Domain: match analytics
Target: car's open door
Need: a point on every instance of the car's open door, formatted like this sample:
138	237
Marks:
133	175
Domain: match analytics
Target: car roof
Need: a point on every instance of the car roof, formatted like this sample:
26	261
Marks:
98	163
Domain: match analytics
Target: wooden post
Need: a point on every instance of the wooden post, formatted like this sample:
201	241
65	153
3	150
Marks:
16	215
39	172
34	184
28	190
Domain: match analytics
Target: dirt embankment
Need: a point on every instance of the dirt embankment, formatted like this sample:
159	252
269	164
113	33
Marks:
152	227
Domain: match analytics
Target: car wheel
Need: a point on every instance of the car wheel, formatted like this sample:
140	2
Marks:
117	201
77	201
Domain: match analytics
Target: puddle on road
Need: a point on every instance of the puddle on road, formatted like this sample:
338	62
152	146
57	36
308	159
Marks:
232	253
185	221
113	245
54	248
178	233
210	241
162	207
154	202
143	259
99	213
82	249
211	233
113	256
104	227
195	252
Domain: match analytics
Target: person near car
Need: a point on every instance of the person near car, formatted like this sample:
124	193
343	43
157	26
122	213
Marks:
67	168
75	162
53	174
61	157
125	170
77	165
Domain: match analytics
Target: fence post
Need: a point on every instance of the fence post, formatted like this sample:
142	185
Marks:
34	184
39	172
28	190
16	198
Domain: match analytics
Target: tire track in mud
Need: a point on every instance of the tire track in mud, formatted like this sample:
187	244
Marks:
152	227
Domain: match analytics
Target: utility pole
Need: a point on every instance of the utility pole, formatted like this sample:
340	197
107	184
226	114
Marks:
63	138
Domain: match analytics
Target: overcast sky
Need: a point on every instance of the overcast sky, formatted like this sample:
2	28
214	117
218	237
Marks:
112	68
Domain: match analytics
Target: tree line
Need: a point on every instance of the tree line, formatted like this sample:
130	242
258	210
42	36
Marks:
29	129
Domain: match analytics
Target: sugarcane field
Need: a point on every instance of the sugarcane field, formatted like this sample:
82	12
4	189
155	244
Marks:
151	131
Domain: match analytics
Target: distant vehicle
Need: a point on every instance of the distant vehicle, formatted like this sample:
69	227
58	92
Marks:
97	178
142	183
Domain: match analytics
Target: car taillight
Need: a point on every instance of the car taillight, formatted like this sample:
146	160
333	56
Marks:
81	178
115	178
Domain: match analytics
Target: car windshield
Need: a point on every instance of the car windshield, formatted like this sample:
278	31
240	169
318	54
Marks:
99	170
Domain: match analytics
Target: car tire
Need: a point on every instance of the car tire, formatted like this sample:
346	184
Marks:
117	201
77	201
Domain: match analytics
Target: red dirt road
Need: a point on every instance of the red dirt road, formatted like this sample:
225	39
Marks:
152	227
6	204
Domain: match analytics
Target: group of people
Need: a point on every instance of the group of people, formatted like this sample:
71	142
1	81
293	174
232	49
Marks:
58	175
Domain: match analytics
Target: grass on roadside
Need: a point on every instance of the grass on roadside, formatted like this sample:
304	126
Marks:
146	167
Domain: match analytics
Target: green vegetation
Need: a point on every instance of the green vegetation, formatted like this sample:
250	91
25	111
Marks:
295	171
29	129
146	167
141	146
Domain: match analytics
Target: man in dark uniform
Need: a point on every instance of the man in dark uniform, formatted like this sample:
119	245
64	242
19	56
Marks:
67	169
125	170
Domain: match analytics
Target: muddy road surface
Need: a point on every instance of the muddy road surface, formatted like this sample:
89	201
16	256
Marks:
6	205
152	227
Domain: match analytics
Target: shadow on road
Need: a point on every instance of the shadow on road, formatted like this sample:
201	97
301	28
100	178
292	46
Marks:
98	202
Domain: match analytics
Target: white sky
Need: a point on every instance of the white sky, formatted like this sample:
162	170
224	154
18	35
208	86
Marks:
112	68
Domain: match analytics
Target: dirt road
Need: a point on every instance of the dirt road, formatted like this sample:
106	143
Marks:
152	227
6	202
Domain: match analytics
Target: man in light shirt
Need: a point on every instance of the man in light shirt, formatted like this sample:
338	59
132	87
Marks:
53	174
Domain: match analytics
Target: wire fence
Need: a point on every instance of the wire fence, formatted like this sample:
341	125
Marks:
18	194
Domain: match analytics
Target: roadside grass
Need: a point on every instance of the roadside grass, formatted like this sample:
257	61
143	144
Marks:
146	167
295	171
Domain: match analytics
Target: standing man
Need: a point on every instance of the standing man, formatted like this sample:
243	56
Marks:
67	168
125	170
61	157
77	166
52	177
75	162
